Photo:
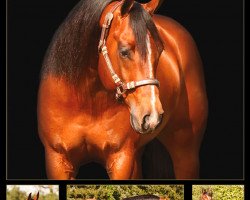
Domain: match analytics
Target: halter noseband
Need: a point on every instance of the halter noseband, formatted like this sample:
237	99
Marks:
121	87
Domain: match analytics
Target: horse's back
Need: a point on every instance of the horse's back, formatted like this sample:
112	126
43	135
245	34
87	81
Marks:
143	197
176	38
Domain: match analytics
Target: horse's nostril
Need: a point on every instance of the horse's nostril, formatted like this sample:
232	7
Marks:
160	118
145	124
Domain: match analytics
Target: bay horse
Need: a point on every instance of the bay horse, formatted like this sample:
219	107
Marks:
145	197
206	195
35	198
115	77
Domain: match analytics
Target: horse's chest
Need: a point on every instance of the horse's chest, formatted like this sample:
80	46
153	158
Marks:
108	135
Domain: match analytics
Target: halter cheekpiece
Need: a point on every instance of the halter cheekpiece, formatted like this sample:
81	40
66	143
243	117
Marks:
121	87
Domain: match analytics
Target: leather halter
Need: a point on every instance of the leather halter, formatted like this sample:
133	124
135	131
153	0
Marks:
121	87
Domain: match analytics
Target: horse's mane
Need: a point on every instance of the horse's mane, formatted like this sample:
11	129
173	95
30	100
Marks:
75	42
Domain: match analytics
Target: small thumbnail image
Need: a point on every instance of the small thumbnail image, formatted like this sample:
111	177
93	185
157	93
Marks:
32	192
125	192
218	192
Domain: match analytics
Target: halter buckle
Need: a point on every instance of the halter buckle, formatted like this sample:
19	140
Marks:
120	91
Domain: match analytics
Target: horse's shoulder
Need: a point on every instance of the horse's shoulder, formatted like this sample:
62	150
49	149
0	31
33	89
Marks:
55	92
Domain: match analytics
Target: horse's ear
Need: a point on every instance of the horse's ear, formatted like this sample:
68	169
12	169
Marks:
29	197
126	7
211	192
152	6
37	196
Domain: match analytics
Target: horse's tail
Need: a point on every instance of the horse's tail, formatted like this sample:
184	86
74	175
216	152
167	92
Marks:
156	162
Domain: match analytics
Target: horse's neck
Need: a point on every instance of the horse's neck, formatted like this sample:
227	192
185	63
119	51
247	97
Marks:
94	96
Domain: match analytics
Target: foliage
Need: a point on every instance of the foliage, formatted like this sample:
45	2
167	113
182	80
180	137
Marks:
50	196
118	192
16	194
220	192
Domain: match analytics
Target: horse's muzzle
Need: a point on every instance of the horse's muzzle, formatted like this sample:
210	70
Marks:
148	124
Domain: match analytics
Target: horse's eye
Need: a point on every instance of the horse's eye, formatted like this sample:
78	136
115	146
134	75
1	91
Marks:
125	53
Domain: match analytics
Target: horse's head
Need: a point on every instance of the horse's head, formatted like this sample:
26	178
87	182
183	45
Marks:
35	198
206	194
131	48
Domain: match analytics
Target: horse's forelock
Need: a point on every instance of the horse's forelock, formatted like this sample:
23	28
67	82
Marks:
141	22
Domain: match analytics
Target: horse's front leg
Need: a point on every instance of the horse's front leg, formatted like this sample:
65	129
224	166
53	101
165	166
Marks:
123	165
59	164
183	147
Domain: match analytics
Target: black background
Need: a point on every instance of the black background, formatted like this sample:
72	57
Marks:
217	28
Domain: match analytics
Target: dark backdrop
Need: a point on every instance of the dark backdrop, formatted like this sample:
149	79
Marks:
217	28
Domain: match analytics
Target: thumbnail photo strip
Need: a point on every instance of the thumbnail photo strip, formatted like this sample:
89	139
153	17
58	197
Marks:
32	192
218	192
125	192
